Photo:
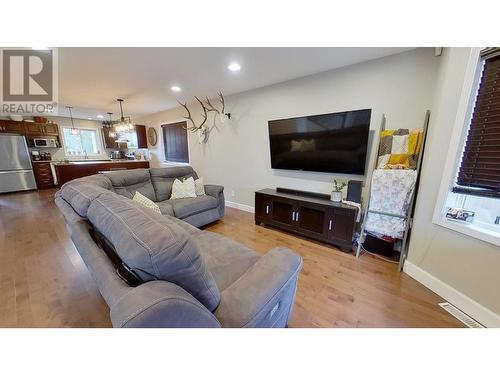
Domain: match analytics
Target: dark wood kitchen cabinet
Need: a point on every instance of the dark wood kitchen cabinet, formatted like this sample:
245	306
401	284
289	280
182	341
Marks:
109	138
313	217
12	127
43	175
69	171
142	139
37	129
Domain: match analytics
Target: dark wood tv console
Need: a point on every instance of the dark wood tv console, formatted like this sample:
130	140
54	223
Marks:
309	214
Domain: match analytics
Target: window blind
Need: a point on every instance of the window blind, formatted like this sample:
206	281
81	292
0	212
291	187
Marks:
479	170
175	142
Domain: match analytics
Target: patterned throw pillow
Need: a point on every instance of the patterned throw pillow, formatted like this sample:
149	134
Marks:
184	189
199	187
145	201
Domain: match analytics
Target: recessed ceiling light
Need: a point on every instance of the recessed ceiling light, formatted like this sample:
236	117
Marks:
100	116
234	67
175	88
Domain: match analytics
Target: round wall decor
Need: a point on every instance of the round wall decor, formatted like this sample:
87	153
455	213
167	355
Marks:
152	136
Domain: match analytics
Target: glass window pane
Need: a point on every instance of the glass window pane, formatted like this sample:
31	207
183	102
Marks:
79	144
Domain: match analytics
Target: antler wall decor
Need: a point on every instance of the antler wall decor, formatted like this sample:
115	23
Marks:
202	130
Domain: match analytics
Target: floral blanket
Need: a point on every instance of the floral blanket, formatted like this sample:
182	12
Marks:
391	191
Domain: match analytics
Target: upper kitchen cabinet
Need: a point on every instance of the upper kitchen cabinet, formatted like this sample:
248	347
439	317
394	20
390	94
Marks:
36	129
109	141
142	139
50	129
12	127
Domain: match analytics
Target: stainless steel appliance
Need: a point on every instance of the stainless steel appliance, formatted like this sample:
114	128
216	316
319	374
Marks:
45	142
16	172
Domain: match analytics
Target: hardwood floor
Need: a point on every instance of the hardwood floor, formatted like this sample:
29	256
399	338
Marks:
44	282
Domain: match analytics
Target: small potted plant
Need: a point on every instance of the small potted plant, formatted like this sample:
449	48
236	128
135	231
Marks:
336	195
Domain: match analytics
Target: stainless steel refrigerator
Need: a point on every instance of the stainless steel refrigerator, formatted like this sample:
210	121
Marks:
16	171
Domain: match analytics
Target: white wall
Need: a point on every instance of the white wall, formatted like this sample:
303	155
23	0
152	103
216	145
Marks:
468	265
237	153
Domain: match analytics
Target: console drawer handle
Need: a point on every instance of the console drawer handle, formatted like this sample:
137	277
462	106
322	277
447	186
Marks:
330	225
267	209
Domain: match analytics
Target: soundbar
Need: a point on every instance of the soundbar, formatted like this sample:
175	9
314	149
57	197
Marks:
302	193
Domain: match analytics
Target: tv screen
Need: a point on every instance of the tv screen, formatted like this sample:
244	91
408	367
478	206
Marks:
333	142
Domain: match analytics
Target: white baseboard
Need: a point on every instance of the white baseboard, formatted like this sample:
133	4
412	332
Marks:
239	206
477	311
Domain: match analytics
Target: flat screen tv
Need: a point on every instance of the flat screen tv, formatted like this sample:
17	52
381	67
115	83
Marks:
333	142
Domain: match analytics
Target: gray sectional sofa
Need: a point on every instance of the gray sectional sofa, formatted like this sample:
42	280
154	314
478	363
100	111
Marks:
189	277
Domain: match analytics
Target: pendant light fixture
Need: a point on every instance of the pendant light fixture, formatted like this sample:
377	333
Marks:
74	131
112	134
125	125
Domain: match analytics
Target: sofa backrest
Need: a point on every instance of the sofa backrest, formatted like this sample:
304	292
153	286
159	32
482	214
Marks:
127	182
79	195
163	179
154	246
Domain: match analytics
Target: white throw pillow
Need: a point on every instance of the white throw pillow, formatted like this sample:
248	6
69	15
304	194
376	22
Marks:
183	189
145	201
199	187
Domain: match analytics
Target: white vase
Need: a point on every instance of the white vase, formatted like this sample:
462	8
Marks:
336	196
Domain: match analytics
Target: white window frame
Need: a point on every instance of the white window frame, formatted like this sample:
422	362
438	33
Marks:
460	128
99	140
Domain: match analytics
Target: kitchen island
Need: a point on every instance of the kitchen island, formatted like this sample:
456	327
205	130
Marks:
69	170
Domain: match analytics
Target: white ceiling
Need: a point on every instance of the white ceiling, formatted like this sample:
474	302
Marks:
90	79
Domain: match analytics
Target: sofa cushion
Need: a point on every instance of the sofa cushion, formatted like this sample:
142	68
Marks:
226	259
163	178
95	179
154	246
166	208
127	182
189	206
80	194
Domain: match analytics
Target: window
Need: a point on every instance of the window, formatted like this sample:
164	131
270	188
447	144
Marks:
479	170
472	173
175	142
83	143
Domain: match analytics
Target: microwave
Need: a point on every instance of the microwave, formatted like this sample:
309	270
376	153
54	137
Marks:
45	142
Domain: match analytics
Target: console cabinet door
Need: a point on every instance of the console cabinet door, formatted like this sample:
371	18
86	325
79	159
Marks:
263	206
341	225
312	220
283	212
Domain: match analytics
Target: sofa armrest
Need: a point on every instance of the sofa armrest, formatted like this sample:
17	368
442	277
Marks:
264	295
160	304
214	190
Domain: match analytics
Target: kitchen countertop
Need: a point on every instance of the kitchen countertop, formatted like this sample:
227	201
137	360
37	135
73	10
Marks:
80	162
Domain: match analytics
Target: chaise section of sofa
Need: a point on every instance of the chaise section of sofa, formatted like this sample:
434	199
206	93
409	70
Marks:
192	278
